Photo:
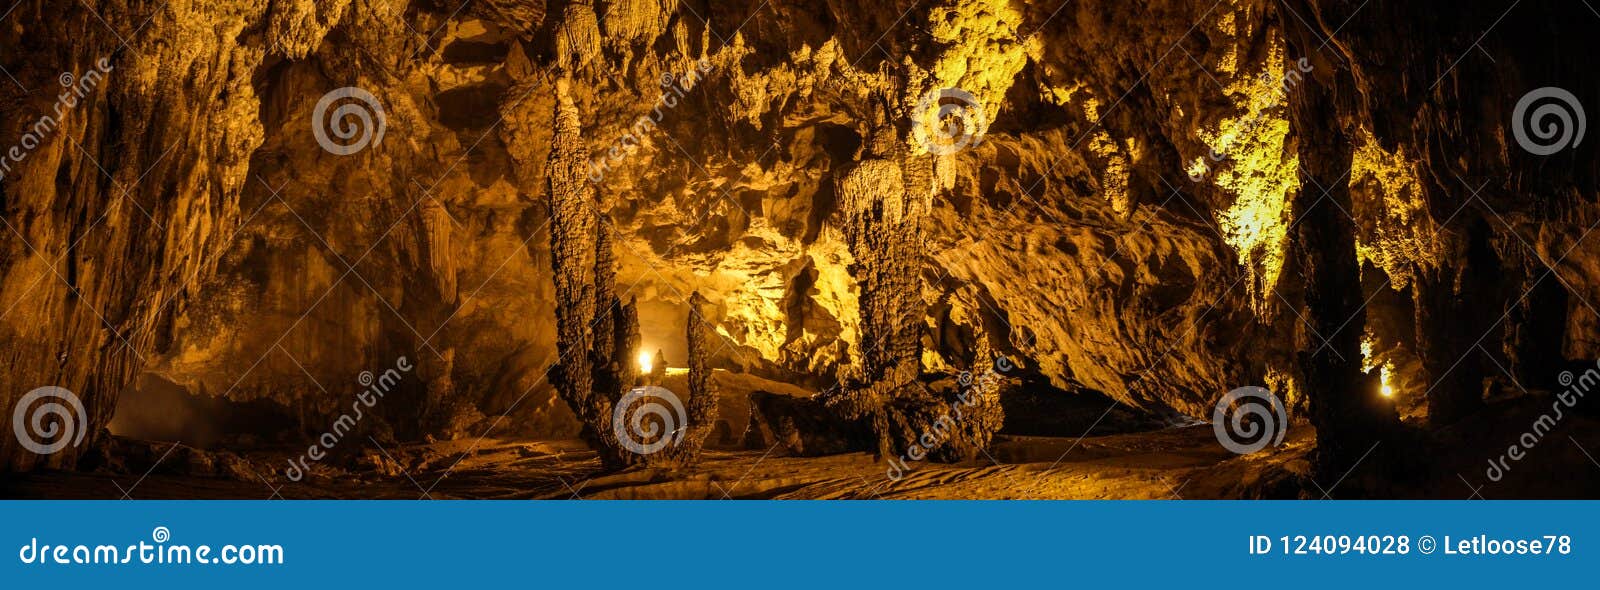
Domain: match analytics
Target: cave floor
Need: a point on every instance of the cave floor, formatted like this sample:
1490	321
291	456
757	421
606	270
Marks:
1173	463
1183	462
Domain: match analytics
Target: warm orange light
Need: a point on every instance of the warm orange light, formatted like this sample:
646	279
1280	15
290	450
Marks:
1369	363
645	362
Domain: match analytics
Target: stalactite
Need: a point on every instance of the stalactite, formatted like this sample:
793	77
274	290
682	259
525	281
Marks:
577	38
436	239
157	225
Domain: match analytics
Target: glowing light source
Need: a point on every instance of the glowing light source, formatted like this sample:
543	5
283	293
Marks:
1369	363
645	362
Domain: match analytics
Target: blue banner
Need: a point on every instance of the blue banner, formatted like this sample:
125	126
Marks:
753	544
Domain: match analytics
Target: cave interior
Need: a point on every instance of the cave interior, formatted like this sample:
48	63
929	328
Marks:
706	249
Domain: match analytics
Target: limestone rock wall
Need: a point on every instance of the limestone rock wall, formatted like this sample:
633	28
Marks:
1121	226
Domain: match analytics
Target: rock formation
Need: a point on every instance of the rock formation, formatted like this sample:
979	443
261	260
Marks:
1144	218
597	332
885	406
1344	401
658	366
700	409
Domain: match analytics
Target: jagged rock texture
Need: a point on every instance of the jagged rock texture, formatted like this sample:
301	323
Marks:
182	222
884	407
597	332
700	409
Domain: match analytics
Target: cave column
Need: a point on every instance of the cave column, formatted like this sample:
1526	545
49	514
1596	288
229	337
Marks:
882	230
1345	407
1457	307
597	334
574	237
702	403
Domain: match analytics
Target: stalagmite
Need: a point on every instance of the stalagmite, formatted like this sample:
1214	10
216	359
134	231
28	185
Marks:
621	368
580	374
882	232
615	323
884	237
888	406
187	256
701	407
1451	324
598	333
658	366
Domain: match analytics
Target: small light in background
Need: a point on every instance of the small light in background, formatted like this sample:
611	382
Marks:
1369	362
645	363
